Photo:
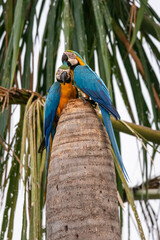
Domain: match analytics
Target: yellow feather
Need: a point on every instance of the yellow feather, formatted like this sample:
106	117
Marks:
80	61
68	91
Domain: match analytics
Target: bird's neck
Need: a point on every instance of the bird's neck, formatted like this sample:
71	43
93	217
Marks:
66	82
80	61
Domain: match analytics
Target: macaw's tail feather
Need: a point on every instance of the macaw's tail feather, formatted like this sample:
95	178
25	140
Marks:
48	156
109	128
48	149
42	146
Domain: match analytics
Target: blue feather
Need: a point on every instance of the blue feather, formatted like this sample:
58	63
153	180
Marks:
94	87
109	128
48	154
51	105
89	82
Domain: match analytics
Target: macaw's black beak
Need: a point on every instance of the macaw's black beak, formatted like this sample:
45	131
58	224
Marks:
64	58
63	77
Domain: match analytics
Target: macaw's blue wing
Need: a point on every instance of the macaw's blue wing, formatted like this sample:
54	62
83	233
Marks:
89	82
94	87
51	105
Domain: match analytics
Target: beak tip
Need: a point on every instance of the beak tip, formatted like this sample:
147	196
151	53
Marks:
63	77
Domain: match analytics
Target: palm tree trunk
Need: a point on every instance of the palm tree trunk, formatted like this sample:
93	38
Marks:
81	196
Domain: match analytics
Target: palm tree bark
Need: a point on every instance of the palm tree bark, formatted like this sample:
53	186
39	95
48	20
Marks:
81	199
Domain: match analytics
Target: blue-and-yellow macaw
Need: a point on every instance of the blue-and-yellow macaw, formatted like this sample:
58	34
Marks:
92	85
58	96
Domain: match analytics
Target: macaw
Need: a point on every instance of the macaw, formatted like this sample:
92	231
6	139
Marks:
93	86
58	96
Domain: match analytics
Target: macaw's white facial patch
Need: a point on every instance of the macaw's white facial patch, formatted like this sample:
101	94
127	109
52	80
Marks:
73	62
72	58
71	55
60	71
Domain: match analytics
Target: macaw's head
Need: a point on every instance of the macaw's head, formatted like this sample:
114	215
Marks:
72	59
63	74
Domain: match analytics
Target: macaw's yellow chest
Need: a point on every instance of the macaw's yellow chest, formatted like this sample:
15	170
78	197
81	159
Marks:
68	91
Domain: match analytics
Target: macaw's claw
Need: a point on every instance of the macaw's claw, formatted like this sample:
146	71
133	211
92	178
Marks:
84	100
92	102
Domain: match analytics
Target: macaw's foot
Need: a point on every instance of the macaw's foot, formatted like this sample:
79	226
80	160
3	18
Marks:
92	102
84	100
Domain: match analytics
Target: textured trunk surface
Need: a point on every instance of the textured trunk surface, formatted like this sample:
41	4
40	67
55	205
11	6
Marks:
81	193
